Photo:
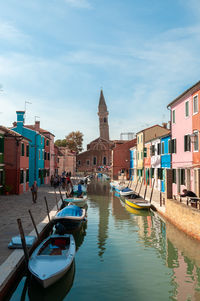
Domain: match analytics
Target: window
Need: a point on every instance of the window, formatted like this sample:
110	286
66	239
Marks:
27	150
40	173
158	149
152	150
1	145
169	147
47	172
138	156
173	146
186	108
141	138
141	155
48	156
45	155
182	182
79	162
195	104
160	173
22	149
21	176
47	143
138	139
145	152
94	161
173	116
88	162
1	177
152	173
105	119
104	160
187	143
27	175
196	141
162	148
174	176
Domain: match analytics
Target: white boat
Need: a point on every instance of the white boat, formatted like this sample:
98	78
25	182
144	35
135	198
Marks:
80	202
126	191
52	258
70	216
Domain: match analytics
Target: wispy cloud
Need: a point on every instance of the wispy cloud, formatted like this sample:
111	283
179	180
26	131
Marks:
79	3
11	33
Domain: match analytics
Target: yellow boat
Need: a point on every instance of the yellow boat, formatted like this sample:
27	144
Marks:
137	212
138	203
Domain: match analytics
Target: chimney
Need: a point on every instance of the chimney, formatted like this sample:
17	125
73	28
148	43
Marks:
37	126
164	124
20	121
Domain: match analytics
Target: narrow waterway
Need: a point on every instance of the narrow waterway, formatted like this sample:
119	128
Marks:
124	255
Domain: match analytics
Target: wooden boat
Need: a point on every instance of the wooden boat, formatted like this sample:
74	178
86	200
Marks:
138	203
71	216
126	191
80	202
52	258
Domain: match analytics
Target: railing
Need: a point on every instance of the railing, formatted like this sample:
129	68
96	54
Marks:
189	201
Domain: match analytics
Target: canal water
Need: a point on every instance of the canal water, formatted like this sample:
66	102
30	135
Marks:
123	254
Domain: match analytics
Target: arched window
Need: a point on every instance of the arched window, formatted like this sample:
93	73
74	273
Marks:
104	160
94	161
105	119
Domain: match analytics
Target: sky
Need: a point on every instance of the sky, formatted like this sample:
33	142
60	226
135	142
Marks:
56	56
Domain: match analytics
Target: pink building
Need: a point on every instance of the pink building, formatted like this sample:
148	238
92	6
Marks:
182	111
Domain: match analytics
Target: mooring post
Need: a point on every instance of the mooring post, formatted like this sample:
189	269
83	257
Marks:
140	187
145	192
160	199
47	207
21	231
60	194
56	200
152	191
34	224
136	185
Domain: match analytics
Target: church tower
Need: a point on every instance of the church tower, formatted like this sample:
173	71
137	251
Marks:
103	118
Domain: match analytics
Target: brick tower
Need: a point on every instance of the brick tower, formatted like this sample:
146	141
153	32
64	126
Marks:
103	118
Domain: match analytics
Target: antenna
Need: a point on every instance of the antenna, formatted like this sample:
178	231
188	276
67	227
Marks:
25	108
36	117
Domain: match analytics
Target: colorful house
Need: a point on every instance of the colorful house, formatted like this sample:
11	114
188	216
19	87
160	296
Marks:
156	171
184	127
165	158
36	149
143	137
133	163
147	163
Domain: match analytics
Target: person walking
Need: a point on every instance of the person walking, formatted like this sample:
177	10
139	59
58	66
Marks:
34	189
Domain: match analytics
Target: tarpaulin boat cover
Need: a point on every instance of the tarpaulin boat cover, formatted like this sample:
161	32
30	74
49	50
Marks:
71	210
126	189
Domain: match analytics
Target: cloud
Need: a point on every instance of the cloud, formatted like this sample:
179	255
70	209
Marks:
79	3
11	33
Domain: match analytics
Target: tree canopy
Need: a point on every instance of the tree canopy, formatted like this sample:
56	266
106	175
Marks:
74	141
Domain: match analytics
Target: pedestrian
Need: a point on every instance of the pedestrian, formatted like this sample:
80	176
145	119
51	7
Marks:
34	189
188	193
51	180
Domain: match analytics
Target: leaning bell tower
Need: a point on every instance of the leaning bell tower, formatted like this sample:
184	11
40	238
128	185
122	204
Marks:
103	118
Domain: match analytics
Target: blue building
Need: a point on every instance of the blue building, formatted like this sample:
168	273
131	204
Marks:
165	158
132	163
36	149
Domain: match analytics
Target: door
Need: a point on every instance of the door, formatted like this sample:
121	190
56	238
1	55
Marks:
24	184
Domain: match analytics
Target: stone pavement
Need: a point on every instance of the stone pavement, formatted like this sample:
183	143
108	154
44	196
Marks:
13	207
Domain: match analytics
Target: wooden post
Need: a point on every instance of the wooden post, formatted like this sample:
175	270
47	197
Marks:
145	192
136	185
160	199
60	194
152	191
140	186
21	231
56	200
36	231
47	207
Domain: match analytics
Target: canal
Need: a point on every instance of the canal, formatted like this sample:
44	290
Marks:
124	255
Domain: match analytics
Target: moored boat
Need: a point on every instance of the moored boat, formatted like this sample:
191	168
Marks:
52	258
70	216
126	191
138	203
80	202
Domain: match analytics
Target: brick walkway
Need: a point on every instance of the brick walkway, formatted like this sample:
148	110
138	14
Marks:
17	206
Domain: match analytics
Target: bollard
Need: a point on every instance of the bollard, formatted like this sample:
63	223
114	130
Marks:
34	224
56	200
47	207
21	231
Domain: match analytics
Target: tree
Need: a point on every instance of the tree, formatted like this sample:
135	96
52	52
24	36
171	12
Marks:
60	142
74	141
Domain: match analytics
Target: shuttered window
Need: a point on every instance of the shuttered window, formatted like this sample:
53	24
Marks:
22	149
182	177
145	152
162	148
187	144
174	175
1	144
27	151
173	146
158	148
21	176
27	175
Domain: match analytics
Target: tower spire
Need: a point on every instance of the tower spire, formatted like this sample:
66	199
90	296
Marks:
103	117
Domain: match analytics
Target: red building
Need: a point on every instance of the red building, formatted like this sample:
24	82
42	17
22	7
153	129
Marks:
121	159
16	160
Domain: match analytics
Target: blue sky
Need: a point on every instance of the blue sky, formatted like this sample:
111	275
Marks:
57	54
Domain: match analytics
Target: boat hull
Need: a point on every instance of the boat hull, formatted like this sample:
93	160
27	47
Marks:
140	205
48	264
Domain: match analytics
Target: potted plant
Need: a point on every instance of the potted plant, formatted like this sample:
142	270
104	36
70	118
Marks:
7	189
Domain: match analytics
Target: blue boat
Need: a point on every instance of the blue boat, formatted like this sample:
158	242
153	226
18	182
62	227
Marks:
71	216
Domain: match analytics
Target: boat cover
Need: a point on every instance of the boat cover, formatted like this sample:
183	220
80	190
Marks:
126	189
16	242
71	210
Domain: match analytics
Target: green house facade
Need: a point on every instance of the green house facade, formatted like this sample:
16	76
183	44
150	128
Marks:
2	172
